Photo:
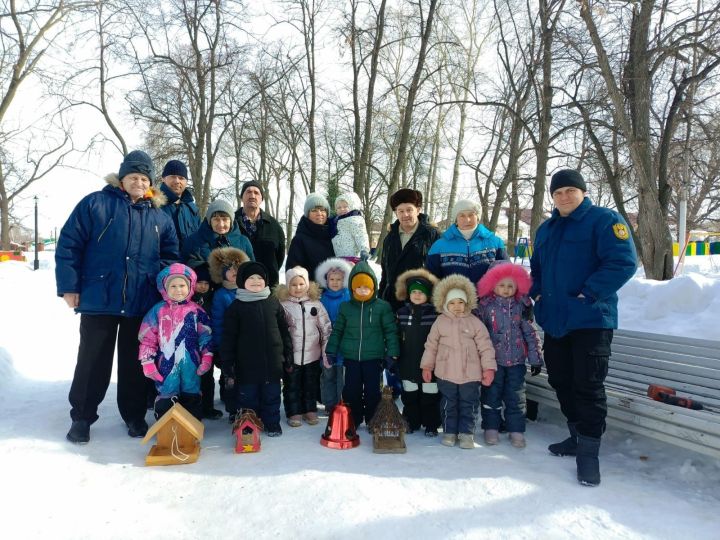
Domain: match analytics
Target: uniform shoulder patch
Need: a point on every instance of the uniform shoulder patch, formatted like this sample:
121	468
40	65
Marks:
621	231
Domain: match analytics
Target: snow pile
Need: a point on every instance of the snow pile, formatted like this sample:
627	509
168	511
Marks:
7	371
296	487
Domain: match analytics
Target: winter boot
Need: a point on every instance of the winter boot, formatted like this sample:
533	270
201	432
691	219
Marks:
295	420
466	441
448	439
517	439
193	404
137	428
431	432
273	430
212	414
79	432
491	437
588	464
311	418
568	447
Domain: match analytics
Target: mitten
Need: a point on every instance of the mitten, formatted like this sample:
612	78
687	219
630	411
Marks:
488	375
288	364
151	372
390	364
205	364
331	359
535	370
427	375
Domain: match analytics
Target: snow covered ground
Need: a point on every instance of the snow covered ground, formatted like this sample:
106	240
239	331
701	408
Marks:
295	488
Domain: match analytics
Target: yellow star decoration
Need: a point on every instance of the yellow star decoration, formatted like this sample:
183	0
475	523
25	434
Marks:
248	448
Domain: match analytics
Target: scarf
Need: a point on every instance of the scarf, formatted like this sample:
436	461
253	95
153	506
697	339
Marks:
247	296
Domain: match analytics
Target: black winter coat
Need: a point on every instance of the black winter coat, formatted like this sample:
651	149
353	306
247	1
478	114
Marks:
310	246
395	259
414	324
268	244
255	341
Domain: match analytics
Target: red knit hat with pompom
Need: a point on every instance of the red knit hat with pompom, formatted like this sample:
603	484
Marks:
500	270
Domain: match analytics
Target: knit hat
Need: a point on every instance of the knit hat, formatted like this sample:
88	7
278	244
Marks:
453	294
567	178
313	200
362	280
137	161
219	205
175	167
248	269
464	205
176	276
297	271
500	270
203	273
251	183
420	284
406	195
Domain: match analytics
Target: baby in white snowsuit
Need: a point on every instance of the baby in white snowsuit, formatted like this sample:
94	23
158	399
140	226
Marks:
347	228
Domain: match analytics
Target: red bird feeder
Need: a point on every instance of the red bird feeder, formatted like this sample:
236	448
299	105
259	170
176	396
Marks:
247	430
340	431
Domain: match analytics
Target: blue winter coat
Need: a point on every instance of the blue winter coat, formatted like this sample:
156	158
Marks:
198	246
110	251
452	254
184	214
331	300
591	252
221	301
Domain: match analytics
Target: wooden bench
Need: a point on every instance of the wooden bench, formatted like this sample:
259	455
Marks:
690	366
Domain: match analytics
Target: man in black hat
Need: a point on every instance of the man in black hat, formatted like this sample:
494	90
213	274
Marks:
181	203
263	230
407	244
582	255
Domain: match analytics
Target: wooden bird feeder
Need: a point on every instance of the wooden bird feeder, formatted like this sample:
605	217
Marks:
388	427
178	438
247	428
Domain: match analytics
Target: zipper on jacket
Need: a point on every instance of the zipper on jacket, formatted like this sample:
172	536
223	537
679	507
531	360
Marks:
157	231
362	307
302	350
105	230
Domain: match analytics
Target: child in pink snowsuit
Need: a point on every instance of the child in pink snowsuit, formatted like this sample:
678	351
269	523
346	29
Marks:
175	342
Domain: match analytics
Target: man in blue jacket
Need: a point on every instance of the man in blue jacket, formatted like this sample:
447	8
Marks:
109	251
582	255
180	201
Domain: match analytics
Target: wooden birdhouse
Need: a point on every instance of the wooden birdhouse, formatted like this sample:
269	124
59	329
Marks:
387	426
178	438
247	428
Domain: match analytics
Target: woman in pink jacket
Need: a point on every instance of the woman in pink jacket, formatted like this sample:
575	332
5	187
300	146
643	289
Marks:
310	328
460	352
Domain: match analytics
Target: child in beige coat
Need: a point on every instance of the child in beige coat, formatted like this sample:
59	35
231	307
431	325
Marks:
460	352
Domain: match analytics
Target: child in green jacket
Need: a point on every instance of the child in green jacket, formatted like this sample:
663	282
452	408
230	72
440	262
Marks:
365	335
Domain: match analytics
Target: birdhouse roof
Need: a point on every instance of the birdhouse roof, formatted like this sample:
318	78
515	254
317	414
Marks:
181	415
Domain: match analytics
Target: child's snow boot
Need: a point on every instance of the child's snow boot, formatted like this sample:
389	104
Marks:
466	441
311	418
79	432
588	464
431	432
273	430
517	439
568	447
448	439
137	429
295	420
491	436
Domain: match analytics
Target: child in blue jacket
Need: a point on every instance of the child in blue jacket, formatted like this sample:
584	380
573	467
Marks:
332	276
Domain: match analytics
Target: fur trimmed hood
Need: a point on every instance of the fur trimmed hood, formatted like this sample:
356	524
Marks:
401	282
222	258
158	198
330	264
282	293
501	270
454	281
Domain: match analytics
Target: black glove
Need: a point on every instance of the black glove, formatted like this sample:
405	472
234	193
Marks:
527	311
535	370
390	364
331	358
288	364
